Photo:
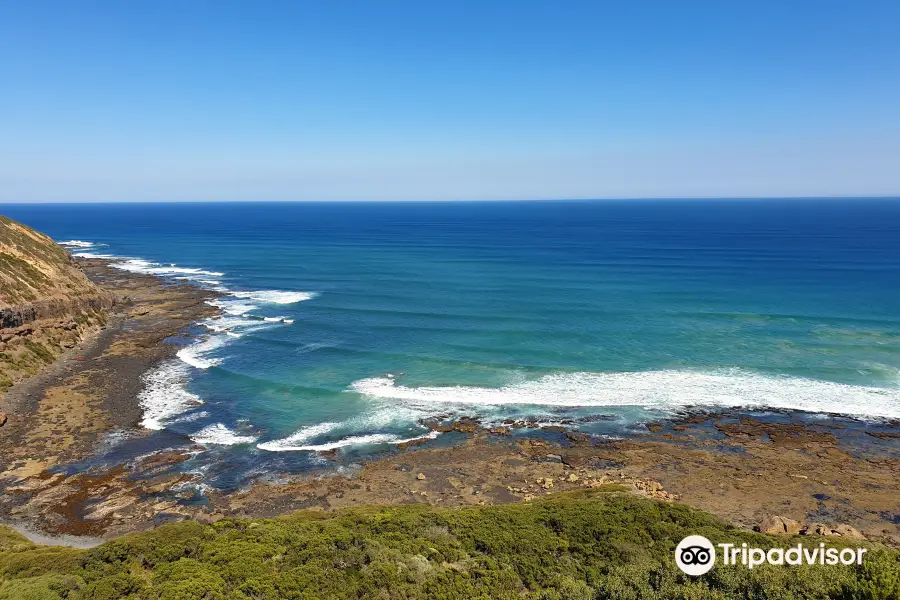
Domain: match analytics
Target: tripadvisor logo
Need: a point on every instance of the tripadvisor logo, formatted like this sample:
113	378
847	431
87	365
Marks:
696	555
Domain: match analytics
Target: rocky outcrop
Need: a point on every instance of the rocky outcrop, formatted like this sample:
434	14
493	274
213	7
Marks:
777	525
47	304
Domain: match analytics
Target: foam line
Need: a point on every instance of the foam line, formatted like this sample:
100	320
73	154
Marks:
139	265
196	355
274	296
80	244
164	395
221	435
295	440
353	440
666	390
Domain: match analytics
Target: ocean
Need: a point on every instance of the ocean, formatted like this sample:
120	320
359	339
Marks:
347	325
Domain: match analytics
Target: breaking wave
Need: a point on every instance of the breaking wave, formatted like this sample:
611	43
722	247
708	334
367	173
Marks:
164	395
663	390
221	435
291	443
274	296
197	355
80	244
146	267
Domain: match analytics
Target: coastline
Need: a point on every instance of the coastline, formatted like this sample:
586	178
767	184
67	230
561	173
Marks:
737	466
63	414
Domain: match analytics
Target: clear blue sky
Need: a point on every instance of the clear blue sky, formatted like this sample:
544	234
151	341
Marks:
265	100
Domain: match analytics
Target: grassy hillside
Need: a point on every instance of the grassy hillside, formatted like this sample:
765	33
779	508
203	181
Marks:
572	546
46	303
33	267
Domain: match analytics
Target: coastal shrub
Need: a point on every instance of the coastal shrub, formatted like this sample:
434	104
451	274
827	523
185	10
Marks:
583	545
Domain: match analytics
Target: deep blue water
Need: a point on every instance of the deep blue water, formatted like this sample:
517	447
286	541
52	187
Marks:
551	310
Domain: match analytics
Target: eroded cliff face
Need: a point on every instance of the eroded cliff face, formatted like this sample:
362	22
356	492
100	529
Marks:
46	303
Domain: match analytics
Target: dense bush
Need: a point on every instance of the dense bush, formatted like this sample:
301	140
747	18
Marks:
571	546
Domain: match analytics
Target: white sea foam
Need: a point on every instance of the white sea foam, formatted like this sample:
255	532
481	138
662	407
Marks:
197	355
191	417
164	395
277	320
232	306
297	441
139	265
666	390
222	435
364	440
80	244
274	296
95	255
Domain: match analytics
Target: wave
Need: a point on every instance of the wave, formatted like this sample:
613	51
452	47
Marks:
274	296
96	255
196	354
296	441
222	435
164	395
364	440
139	265
664	390
80	244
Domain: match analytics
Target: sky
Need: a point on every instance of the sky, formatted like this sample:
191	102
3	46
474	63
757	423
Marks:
163	100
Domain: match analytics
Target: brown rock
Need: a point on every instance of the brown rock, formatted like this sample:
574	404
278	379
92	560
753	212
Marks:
3	418
847	531
817	529
420	476
779	526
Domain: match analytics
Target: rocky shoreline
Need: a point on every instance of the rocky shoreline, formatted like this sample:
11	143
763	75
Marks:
834	475
62	414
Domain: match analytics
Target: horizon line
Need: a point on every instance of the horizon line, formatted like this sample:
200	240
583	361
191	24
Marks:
465	200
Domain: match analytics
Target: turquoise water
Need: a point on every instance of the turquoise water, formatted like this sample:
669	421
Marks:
382	315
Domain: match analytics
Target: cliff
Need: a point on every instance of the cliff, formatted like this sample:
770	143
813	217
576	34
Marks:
46	303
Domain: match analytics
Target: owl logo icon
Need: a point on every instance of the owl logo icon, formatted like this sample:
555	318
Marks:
695	555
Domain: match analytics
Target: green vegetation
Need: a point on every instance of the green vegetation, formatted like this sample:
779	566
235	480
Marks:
571	546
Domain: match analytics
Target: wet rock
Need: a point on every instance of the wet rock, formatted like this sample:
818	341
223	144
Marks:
778	525
577	437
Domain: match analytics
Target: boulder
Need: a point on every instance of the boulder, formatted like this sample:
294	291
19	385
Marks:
817	529
844	530
778	525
